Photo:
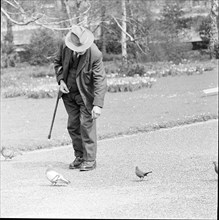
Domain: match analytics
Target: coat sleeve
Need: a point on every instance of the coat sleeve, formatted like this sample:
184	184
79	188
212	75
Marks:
99	81
58	63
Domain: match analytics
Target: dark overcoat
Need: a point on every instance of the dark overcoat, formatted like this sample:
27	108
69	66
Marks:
90	74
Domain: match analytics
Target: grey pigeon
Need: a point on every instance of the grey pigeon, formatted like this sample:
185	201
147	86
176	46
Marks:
140	173
215	166
54	177
9	153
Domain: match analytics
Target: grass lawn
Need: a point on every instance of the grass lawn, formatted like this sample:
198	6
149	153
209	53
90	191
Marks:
171	101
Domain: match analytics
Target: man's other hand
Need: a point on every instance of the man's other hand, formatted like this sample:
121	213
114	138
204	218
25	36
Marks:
63	87
96	111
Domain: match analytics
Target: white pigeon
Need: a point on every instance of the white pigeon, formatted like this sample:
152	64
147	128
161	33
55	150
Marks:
9	153
54	177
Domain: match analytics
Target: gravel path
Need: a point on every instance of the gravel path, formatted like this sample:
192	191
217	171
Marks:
183	183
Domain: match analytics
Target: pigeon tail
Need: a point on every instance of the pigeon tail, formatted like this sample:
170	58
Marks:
145	174
140	173
65	180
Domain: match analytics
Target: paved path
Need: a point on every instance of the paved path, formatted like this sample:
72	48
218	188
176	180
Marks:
183	183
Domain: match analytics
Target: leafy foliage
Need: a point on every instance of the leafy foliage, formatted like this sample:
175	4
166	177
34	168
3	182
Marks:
112	38
42	46
9	56
157	37
205	28
173	21
204	31
131	69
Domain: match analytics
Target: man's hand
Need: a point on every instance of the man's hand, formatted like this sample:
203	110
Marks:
96	111
63	87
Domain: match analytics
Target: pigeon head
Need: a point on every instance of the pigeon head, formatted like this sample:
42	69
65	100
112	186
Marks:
50	167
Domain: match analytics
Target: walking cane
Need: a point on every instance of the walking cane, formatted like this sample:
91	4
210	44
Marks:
54	114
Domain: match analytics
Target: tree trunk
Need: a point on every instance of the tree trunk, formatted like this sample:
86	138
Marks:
78	4
64	15
9	37
103	32
214	29
67	9
132	27
123	37
8	45
9	34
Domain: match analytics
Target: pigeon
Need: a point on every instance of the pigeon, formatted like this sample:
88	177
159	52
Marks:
54	177
9	153
140	173
215	167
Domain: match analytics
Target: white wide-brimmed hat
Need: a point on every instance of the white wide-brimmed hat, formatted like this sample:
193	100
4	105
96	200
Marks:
79	38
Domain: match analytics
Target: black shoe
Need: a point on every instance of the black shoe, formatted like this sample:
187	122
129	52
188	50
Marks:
88	165
76	163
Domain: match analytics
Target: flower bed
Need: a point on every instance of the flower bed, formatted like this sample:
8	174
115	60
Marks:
42	91
125	84
23	81
164	69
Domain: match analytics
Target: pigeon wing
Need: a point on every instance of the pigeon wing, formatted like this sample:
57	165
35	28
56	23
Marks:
138	172
63	179
52	176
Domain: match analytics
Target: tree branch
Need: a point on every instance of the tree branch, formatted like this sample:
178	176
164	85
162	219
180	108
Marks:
131	38
63	21
16	22
35	19
10	3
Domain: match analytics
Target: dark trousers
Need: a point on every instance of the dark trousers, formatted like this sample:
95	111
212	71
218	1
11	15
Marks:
81	127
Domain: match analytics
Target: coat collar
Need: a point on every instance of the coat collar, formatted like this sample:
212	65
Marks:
83	59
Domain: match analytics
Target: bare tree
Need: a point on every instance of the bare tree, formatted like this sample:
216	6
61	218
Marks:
73	12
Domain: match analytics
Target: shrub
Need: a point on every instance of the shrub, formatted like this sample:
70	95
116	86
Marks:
43	45
111	68
12	92
41	93
45	71
111	57
9	57
216	49
9	60
136	69
205	33
168	51
205	28
132	68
